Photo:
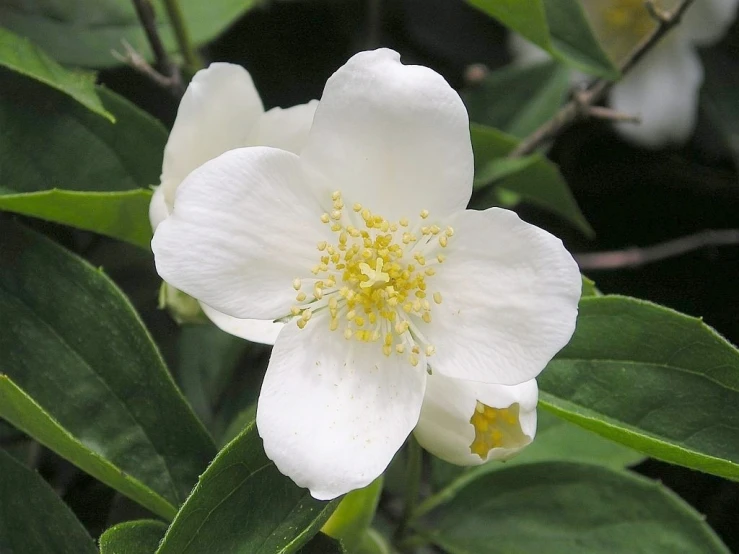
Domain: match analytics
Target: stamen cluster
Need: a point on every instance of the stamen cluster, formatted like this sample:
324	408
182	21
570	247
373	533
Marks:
492	427
373	279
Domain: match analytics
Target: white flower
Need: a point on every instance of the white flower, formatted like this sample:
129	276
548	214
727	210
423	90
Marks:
663	88
469	423
221	110
364	244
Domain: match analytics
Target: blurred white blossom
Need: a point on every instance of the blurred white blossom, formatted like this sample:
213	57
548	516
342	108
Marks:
663	88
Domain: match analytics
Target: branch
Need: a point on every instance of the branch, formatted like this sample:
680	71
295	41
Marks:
171	79
637	257
581	106
192	59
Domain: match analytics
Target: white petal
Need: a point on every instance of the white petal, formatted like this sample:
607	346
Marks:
264	331
217	113
286	129
333	412
158	209
509	299
392	137
706	21
444	428
663	90
243	227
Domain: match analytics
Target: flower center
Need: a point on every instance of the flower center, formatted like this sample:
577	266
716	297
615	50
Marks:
373	279
496	428
626	21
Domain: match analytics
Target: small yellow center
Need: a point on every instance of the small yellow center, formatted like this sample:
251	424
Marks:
373	279
619	24
495	428
629	16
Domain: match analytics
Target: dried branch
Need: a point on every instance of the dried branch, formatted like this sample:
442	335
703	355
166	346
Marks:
171	79
581	106
637	257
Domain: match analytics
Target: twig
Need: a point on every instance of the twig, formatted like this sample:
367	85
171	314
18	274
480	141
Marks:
581	106
637	257
171	79
192	59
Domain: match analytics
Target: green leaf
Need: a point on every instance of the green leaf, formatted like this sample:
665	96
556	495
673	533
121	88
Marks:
85	31
78	348
33	519
569	509
133	537
653	379
65	164
498	169
518	100
19	409
589	288
20	55
207	360
114	214
538	180
354	515
242	503
558	26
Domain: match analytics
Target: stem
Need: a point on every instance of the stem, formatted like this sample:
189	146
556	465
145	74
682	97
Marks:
580	106
637	257
413	473
171	78
192	58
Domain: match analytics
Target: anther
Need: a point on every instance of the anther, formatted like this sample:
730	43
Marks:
437	297
424	214
297	284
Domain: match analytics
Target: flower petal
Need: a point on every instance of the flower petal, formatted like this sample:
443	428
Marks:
264	331
243	227
286	129
509	299
663	90
217	113
333	412
158	209
444	428
707	21
392	137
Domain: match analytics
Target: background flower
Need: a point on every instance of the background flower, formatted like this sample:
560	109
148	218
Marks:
221	110
663	88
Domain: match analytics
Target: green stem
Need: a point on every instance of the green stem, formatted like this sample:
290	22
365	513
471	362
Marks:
193	60
413	483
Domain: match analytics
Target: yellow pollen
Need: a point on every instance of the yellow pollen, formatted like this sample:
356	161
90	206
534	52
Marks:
495	428
375	279
374	276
